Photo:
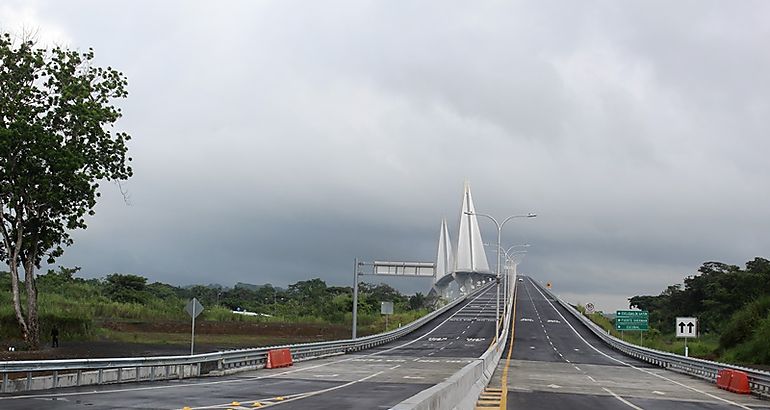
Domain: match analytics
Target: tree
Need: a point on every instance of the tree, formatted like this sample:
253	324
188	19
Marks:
126	288
417	301
57	143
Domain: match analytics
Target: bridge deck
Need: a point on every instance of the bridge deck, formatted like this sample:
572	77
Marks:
556	363
375	378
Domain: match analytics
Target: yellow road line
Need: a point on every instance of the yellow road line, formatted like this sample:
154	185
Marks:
504	381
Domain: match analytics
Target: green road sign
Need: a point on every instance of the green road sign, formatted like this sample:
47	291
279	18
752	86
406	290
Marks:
632	320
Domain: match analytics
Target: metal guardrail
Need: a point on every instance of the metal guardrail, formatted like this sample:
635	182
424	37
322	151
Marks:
77	372
704	369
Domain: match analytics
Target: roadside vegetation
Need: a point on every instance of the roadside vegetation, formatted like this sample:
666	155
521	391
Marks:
732	305
126	308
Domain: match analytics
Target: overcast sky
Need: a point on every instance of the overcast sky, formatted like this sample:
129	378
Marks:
274	141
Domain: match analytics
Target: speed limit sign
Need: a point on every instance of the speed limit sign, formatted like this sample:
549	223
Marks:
589	308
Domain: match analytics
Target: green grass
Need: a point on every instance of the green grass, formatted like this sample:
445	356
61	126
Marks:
184	339
705	346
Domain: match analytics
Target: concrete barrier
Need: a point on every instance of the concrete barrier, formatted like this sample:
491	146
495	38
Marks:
278	358
106	376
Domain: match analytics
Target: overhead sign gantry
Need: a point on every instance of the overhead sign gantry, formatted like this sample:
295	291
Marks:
387	268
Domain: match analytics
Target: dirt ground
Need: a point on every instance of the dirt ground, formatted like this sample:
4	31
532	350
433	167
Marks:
283	332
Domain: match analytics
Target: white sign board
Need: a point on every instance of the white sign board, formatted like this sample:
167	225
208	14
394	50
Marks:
686	327
193	308
386	308
590	308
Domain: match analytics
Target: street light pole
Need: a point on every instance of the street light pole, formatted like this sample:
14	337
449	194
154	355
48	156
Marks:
499	233
511	257
507	253
355	296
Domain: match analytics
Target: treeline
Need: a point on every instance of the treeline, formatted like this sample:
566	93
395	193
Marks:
730	302
75	303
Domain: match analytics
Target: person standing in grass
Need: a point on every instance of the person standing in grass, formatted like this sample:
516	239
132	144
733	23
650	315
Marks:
54	337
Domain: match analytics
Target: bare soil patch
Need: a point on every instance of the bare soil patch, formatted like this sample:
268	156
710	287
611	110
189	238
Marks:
244	334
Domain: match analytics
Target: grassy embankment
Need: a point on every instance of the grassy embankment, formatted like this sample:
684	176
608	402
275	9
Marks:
86	310
704	347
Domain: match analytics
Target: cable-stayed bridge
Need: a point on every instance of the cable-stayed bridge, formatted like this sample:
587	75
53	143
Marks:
546	356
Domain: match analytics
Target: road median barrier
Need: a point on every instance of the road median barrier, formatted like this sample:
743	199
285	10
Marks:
278	358
739	382
723	378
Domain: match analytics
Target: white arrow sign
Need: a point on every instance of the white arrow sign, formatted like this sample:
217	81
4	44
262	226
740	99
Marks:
686	327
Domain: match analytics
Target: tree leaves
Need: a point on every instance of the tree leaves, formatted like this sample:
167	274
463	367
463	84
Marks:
56	143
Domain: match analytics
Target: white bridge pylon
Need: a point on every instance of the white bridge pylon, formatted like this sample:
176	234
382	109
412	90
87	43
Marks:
469	265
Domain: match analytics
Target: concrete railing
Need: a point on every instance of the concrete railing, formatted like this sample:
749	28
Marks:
759	381
46	374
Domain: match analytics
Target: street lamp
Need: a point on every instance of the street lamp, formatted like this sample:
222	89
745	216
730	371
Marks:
524	245
499	232
510	259
507	254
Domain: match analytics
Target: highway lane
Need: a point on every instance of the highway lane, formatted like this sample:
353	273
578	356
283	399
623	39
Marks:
375	378
557	363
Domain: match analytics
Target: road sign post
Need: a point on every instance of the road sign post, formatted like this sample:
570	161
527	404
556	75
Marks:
638	320
687	328
193	308
386	308
590	308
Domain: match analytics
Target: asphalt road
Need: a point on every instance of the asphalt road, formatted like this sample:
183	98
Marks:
557	363
371	379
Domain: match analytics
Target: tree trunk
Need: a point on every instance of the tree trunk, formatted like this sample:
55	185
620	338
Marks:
13	266
32	337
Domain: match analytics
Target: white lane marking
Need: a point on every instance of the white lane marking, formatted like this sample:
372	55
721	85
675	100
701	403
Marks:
413	377
303	396
632	405
431	331
592	379
133	389
578	369
632	366
659	393
239	380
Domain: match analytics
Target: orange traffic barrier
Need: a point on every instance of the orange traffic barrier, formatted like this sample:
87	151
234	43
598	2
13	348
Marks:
739	383
723	378
278	358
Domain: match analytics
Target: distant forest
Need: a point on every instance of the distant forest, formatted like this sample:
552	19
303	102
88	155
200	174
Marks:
730	302
78	305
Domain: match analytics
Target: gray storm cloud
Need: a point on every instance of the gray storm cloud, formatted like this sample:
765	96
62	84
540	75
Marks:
276	141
